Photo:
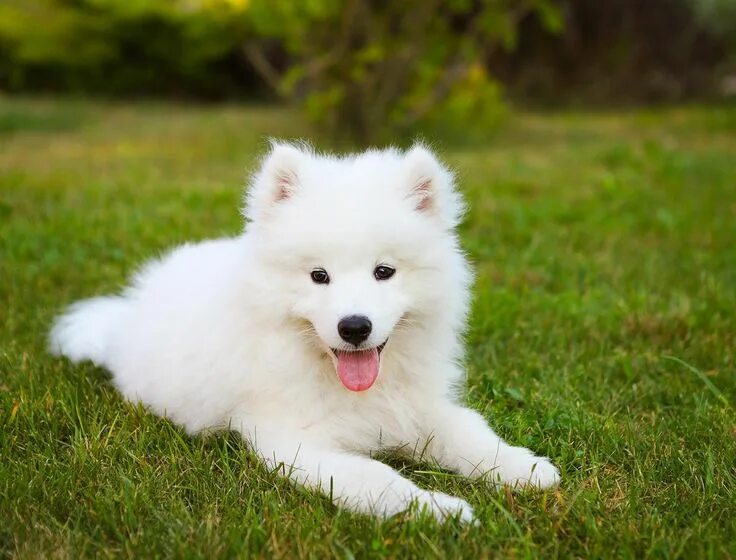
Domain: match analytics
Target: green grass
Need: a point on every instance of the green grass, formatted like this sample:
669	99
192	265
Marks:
603	335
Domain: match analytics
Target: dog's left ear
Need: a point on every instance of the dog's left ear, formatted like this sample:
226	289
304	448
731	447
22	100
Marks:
432	186
277	179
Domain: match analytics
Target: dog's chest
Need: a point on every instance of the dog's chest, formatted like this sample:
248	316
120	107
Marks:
372	420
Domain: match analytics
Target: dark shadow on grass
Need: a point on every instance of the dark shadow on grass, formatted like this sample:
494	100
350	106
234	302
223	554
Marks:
15	119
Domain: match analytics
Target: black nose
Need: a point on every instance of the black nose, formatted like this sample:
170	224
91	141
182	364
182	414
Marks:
354	329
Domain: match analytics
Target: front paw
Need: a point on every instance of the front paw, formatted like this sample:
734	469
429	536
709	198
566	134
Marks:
520	468
444	507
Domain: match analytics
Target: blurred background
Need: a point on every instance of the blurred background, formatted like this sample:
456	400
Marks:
371	71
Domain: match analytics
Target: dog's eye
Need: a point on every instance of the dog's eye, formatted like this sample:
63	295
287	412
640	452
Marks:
320	276
383	272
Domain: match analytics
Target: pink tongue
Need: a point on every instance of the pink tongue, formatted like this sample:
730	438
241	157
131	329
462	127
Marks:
357	370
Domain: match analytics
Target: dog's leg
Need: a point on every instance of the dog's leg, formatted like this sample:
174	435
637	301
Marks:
461	440
352	481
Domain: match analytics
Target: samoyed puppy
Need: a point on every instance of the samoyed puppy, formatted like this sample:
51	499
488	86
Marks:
330	329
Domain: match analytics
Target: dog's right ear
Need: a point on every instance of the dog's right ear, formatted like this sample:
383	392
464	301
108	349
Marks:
276	180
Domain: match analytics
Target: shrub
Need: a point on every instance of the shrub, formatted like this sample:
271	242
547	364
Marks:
372	70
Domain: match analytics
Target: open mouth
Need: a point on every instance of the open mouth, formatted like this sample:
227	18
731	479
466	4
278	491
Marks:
358	369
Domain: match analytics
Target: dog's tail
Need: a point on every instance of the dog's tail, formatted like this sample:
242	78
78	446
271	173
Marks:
84	330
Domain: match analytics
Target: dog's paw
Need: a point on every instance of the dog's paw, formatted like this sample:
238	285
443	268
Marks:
520	468
444	507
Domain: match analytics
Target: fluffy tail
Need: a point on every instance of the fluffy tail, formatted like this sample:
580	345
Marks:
84	331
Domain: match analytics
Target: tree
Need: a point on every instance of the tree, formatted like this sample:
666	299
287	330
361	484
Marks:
369	70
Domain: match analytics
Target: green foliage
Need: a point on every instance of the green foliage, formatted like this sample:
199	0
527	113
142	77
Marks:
119	47
372	71
603	334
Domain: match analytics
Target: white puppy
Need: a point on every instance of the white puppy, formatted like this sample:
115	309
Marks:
329	329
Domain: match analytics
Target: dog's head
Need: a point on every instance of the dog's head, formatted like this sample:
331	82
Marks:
361	250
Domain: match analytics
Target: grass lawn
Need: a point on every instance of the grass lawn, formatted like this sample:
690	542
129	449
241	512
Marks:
603	335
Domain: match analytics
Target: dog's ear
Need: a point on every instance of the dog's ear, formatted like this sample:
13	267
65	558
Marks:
432	186
276	180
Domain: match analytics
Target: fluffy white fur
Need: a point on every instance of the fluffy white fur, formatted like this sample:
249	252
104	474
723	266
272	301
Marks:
233	333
